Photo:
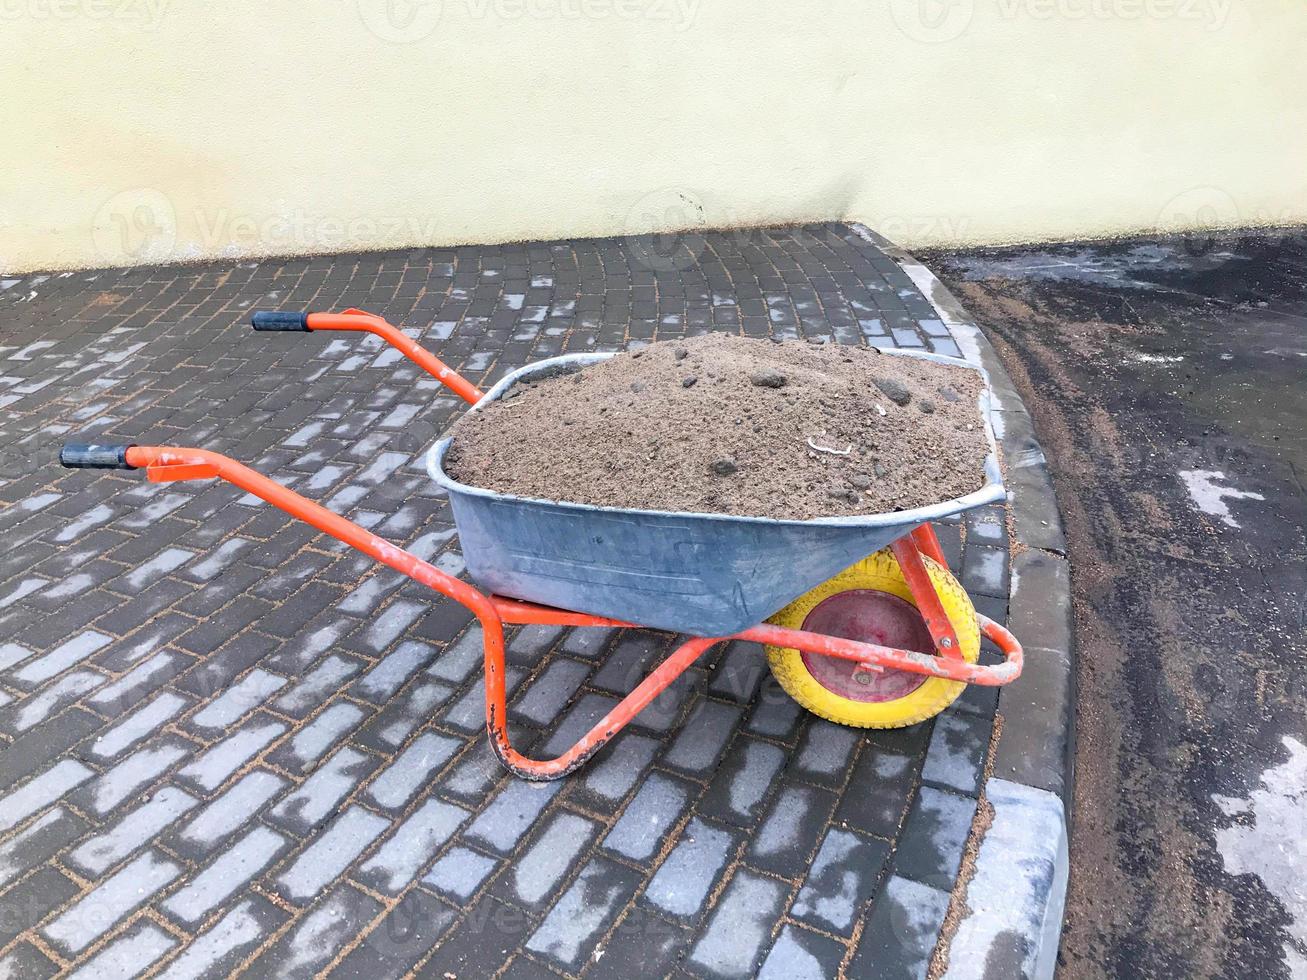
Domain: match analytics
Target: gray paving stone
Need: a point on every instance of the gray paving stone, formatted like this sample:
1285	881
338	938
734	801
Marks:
740	928
459	873
404	936
690	870
544	697
572	929
930	849
457	661
626	664
315	799
382	631
775	714
956	756
642	945
878	792
131	774
26	962
825	752
42	705
742	785
224	875
228	812
37	842
411	846
303	749
790	831
613	773
380	683
901	932
511	814
318	685
316	939
139	682
32	899
59	659
468	713
141	723
739	672
841	879
580	719
985	570
417	765
588	641
330	853
654	810
234	703
214	952
404	714
483	941
703	739
134	829
531	879
213	768
802	955
130	955
40	791
532	642
99	910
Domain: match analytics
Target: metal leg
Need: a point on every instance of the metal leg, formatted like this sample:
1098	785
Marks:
907	553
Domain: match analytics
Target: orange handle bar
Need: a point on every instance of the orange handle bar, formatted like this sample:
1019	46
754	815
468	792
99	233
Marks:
361	322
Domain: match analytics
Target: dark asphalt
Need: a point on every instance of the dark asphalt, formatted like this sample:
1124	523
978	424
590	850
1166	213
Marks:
1167	381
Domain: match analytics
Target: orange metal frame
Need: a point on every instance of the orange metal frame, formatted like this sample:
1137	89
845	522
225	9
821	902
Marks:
163	463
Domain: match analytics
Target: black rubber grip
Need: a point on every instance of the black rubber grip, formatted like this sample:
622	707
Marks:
83	455
276	320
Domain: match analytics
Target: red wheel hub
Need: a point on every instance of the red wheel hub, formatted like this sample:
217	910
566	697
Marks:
870	616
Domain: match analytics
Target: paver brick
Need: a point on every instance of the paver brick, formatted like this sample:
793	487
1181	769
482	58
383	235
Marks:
132	830
740	927
530	879
230	811
314	800
687	875
331	852
956	756
825	752
41	791
110	902
303	749
317	937
142	723
570	932
742	785
129	955
841	879
36	842
790	831
411	846
702	739
901	930
400	939
546	694
802	955
211	769
930	849
225	943
413	768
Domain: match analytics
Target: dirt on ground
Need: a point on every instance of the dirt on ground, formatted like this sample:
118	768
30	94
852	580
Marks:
731	425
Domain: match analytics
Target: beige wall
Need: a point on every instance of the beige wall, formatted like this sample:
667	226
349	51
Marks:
147	130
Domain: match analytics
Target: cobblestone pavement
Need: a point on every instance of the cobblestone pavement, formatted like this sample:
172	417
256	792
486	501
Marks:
231	745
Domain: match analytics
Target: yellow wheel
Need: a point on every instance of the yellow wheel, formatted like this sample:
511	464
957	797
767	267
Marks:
870	601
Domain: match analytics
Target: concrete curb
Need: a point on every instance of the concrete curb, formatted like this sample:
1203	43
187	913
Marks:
1014	901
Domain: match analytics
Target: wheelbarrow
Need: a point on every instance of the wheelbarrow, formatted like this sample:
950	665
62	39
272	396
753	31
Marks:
861	619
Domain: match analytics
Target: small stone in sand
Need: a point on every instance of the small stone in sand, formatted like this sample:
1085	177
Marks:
724	466
689	382
768	378
894	389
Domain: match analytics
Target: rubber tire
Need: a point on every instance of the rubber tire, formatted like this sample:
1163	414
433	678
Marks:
881	572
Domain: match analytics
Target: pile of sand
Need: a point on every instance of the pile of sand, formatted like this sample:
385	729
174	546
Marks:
730	425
